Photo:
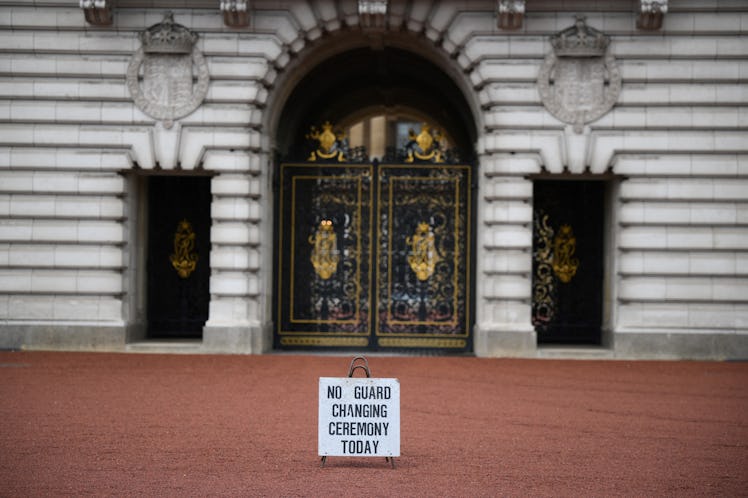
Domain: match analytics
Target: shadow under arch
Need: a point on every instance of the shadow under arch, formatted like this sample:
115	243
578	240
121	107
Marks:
345	73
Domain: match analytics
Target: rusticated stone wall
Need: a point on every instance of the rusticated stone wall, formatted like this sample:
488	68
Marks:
674	149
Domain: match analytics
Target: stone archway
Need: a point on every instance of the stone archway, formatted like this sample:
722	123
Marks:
346	71
385	78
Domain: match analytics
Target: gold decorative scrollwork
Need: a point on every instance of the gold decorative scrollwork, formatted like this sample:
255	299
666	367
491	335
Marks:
331	144
184	260
564	245
543	302
424	146
423	256
325	255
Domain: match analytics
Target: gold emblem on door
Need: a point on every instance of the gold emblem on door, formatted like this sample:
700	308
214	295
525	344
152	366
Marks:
564	245
184	260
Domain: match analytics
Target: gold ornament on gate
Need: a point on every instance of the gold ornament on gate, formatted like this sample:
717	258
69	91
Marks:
331	144
424	146
325	255
565	265
184	260
423	256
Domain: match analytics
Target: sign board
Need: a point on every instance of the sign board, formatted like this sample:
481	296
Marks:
359	417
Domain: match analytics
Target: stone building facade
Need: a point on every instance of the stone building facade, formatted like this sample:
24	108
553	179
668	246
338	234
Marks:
644	100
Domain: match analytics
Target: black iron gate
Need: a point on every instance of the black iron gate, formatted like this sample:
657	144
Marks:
568	261
374	256
178	256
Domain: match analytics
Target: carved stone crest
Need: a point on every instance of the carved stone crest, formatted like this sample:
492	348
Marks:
579	81
167	76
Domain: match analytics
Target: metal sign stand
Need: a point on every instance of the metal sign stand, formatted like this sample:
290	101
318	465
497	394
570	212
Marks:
365	368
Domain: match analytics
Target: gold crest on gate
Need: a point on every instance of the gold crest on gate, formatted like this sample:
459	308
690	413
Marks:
423	256
325	255
331	144
425	145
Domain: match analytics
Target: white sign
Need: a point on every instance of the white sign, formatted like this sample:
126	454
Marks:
359	417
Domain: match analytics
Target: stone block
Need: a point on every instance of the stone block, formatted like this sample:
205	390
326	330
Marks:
713	214
15	230
671	262
712	263
16	181
642	289
507	236
731	238
671	344
230	283
507	212
664	315
111	232
690	238
689	289
637	237
77	255
29	206
99	282
16	40
230	184
15	281
30	307
101	183
507	287
731	46
54	230
230	258
495	341
53	281
712	316
643	189
233	233
667	213
631	213
733	189
730	290
506	261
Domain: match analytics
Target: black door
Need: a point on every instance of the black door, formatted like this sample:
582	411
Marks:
568	261
374	256
178	256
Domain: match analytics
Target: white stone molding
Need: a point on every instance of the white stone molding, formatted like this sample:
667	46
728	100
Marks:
160	73
651	14
579	81
510	14
372	13
235	13
97	12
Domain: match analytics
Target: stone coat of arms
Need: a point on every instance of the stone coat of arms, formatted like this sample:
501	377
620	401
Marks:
167	76
579	81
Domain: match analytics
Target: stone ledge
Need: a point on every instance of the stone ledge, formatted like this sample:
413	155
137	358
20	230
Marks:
61	337
237	340
653	344
489	343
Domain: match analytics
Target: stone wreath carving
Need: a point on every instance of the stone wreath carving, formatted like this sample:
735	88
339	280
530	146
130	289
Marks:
168	76
579	81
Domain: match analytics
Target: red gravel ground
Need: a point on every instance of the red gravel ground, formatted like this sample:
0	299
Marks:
78	424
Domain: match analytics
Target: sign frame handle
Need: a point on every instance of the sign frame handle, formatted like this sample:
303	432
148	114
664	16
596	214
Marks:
364	366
